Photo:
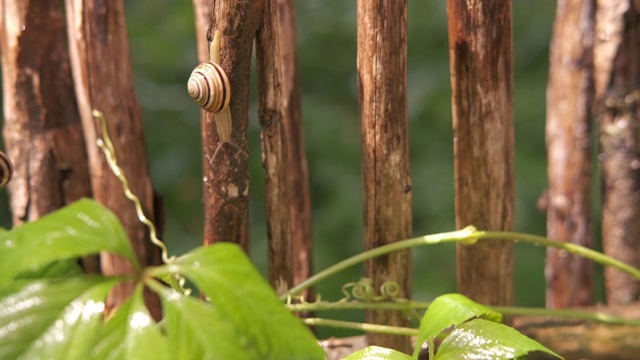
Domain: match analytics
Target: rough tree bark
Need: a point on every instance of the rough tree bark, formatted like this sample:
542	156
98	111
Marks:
382	84
617	83
481	62
286	178
101	67
226	178
569	103
42	129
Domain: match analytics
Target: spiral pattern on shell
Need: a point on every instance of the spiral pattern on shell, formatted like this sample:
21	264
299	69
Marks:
6	170
209	87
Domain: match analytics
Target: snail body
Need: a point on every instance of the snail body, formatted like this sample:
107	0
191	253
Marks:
210	88
6	169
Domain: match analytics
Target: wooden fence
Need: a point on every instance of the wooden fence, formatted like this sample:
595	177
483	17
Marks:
52	82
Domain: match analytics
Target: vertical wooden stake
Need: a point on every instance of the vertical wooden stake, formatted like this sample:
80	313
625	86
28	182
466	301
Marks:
103	80
480	50
42	129
617	82
569	103
226	185
286	179
382	83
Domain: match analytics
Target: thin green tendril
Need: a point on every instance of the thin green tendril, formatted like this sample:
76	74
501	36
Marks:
107	148
363	290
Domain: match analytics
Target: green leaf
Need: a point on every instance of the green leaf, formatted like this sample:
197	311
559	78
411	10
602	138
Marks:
483	339
246	304
377	353
450	310
50	316
131	333
143	337
196	330
75	331
60	269
82	228
113	332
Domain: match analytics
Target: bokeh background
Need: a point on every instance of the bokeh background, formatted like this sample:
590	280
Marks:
163	52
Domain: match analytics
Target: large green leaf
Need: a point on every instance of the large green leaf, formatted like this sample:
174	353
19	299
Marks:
143	337
131	333
378	353
450	310
247	303
113	332
51	317
76	330
82	228
482	339
196	330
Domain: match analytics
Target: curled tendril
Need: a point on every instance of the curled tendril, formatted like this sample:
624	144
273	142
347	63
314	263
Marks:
302	300
363	290
107	148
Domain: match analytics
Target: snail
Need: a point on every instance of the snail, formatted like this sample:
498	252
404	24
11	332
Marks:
6	169
210	88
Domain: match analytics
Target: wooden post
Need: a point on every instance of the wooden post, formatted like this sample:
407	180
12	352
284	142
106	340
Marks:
382	84
286	179
480	50
42	129
101	68
226	178
617	83
569	104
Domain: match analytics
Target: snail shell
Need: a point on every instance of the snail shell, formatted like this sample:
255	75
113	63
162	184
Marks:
209	87
6	170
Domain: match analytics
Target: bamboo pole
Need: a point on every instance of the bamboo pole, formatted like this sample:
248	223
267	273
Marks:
481	63
382	85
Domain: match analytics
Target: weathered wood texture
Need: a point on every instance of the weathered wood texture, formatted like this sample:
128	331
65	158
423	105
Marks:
226	178
481	63
101	66
576	339
283	153
617	83
568	130
42	129
382	85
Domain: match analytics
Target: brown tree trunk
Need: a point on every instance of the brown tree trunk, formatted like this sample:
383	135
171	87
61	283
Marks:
99	50
569	102
226	177
42	128
481	62
286	179
617	81
382	84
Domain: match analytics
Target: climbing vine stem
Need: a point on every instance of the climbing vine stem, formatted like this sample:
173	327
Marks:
107	148
469	235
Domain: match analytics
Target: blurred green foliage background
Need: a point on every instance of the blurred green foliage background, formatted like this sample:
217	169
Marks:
163	54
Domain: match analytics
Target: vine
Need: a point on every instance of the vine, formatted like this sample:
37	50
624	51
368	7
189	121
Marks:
105	144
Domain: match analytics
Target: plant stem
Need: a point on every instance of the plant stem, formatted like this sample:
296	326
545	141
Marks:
406	306
468	235
453	236
395	330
